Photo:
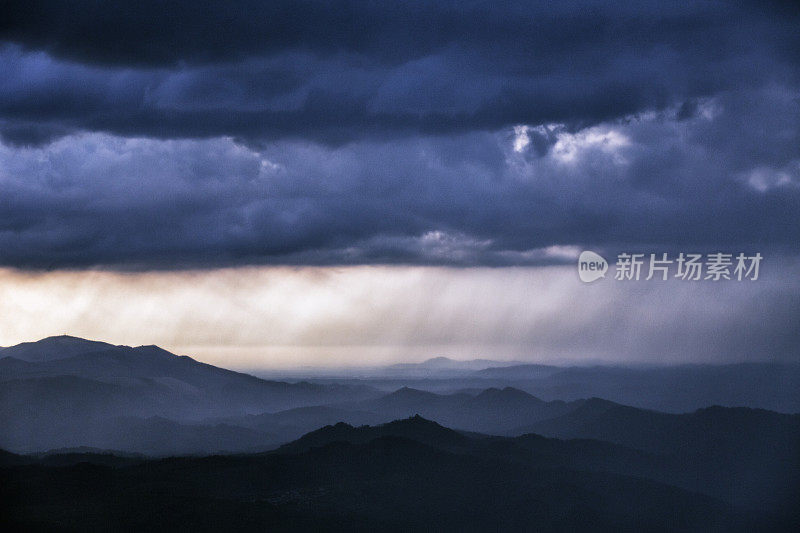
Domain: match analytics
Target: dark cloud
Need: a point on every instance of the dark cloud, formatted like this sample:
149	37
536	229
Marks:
652	182
337	71
183	134
175	32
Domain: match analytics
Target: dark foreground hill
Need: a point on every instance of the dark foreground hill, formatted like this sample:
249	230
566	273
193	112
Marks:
408	475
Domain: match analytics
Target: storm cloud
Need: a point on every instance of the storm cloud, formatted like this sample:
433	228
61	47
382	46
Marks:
170	135
344	70
491	198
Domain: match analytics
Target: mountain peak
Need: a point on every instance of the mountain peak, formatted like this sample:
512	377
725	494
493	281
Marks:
64	340
417	421
153	350
54	348
506	394
414	428
407	393
436	360
65	346
595	406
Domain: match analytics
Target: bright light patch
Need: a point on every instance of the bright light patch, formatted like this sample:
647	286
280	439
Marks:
571	146
521	138
268	317
764	179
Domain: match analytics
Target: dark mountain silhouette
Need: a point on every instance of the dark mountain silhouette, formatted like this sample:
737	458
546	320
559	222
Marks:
8	459
407	475
705	430
415	428
745	455
73	456
731	473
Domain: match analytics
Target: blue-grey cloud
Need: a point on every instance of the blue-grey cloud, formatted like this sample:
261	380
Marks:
340	71
175	135
525	195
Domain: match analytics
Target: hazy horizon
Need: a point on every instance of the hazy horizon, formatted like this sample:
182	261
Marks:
259	318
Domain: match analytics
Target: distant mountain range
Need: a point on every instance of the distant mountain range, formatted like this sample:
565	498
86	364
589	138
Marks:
496	411
445	364
677	389
681	388
66	392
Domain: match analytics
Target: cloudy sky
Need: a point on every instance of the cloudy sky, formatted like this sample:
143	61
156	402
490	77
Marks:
305	182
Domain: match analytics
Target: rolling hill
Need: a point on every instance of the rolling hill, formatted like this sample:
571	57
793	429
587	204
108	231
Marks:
408	474
62	390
